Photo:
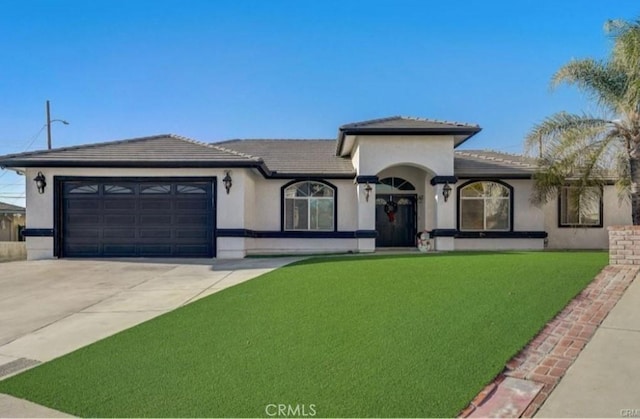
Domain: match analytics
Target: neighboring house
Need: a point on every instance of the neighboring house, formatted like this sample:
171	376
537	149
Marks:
378	185
11	222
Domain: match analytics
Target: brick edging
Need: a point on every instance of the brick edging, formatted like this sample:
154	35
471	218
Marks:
546	358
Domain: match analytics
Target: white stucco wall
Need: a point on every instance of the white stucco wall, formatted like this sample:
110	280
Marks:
376	153
267	207
615	212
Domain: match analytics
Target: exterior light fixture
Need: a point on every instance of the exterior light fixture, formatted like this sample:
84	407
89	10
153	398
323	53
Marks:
40	181
446	191
367	191
227	181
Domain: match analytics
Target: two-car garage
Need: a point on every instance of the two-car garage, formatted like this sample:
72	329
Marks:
135	217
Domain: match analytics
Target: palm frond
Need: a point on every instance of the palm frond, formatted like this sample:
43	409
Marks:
561	127
603	82
577	149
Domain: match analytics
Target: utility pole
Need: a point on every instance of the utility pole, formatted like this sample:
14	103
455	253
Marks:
49	121
48	127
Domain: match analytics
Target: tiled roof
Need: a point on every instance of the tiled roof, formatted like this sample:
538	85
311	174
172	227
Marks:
9	208
149	150
294	156
407	122
491	163
404	125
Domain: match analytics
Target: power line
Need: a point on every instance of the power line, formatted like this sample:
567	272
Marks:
33	140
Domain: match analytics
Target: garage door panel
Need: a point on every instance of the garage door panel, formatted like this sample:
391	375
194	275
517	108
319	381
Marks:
156	204
119	220
83	204
117	233
137	218
185	250
118	249
155	234
82	220
155	220
192	234
155	250
88	233
188	220
80	249
191	205
126	204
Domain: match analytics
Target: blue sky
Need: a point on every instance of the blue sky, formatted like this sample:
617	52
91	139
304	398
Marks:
215	70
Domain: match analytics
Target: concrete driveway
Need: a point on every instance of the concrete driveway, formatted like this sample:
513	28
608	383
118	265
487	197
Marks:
52	307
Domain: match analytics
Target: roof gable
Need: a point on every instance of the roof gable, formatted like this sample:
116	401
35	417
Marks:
403	125
407	122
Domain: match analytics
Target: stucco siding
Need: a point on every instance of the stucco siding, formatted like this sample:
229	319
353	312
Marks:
376	153
615	212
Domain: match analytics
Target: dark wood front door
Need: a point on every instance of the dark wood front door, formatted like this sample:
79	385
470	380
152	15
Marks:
396	220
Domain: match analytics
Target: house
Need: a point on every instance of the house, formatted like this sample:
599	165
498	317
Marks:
11	222
378	185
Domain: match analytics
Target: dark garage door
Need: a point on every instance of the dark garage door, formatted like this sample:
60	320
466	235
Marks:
150	218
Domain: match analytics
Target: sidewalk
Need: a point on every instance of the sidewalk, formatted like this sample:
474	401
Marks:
604	381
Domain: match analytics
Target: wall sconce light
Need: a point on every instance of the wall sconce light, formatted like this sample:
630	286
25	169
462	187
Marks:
367	191
420	198
227	181
40	182
446	191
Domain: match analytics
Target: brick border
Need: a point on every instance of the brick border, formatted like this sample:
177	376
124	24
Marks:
624	245
546	358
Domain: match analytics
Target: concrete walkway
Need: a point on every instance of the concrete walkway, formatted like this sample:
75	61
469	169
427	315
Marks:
604	381
52	307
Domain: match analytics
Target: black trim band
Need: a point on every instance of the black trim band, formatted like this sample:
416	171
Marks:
242	232
443	179
501	235
367	179
37	232
442	232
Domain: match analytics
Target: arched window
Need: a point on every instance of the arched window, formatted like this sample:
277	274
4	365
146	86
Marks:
485	206
394	185
308	206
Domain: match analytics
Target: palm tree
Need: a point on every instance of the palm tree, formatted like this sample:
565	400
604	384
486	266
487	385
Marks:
588	151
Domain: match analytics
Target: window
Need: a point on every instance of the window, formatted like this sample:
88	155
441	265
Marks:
309	206
393	185
88	189
580	211
191	189
117	189
485	206
155	189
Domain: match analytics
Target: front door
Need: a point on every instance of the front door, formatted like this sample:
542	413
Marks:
396	220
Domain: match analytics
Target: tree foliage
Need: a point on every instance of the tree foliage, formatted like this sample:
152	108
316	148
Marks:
587	150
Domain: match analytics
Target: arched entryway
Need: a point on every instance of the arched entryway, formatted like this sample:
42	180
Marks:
396	212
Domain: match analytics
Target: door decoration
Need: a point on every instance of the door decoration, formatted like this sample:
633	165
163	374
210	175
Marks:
390	208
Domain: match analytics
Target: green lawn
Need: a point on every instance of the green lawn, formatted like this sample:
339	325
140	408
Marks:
402	336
